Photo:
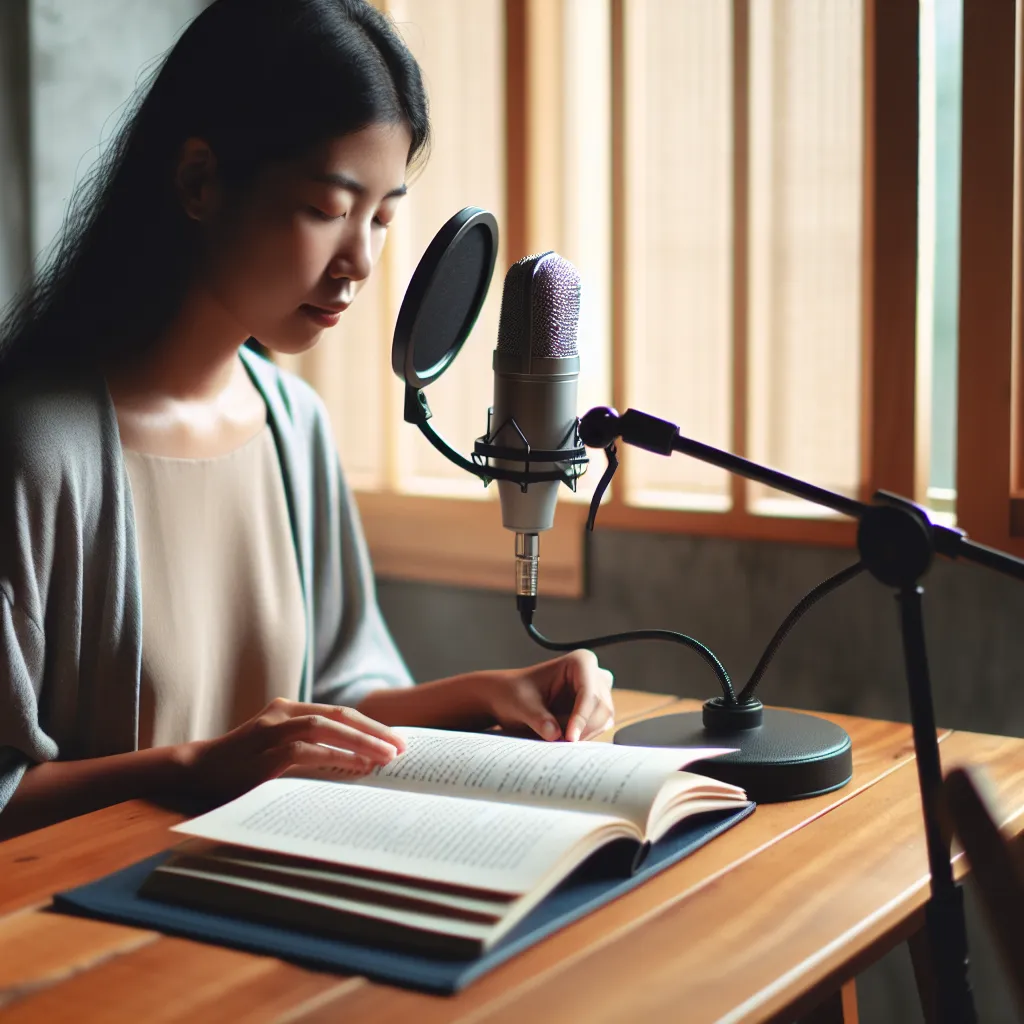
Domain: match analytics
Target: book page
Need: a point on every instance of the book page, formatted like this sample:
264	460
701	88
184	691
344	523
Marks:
316	873
334	879
170	880
601	778
442	838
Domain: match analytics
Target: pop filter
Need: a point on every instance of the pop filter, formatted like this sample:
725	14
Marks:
444	297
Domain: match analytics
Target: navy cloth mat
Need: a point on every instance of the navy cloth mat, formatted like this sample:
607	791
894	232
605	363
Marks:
599	880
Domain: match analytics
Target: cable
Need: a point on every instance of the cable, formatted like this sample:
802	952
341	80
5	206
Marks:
602	485
526	609
820	591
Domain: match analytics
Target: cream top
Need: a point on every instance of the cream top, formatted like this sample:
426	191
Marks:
223	625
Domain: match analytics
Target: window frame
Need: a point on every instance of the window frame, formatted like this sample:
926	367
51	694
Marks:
990	488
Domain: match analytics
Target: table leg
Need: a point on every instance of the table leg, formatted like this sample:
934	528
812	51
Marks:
838	1008
924	976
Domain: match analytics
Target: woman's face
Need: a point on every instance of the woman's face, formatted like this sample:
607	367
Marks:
285	261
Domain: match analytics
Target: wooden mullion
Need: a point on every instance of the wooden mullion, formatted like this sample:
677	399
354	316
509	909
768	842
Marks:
740	238
390	417
545	83
1017	396
889	232
390	408
517	144
533	112
986	273
620	295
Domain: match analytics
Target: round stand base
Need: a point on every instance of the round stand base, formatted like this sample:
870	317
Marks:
788	756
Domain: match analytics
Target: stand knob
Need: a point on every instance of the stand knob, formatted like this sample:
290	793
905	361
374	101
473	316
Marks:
895	544
599	427
721	717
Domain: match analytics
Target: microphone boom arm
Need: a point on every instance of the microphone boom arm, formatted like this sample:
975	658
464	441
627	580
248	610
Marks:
602	426
897	542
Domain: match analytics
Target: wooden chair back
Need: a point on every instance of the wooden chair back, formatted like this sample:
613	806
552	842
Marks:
998	867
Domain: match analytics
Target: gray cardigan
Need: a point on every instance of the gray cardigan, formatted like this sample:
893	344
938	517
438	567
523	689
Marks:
70	592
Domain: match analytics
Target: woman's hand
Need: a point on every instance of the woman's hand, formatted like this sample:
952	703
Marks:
285	734
570	696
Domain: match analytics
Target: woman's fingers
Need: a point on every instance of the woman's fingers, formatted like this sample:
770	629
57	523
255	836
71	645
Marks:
319	728
534	713
586	705
601	720
344	716
593	708
357	720
604	717
303	754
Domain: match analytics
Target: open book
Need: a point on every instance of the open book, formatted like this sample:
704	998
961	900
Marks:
446	848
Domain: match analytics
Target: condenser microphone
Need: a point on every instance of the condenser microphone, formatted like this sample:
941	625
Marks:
536	369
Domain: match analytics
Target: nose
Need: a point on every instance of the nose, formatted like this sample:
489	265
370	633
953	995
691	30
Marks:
354	256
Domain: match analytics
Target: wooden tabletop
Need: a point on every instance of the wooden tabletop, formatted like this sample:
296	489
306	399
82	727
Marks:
764	921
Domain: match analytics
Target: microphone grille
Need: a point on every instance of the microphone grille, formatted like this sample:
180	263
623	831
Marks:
540	308
556	308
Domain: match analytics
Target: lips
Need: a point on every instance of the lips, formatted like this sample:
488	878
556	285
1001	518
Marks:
325	316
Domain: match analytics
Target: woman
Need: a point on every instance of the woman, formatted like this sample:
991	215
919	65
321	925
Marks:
186	601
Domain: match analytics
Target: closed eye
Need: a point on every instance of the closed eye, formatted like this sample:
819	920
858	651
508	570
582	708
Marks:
319	214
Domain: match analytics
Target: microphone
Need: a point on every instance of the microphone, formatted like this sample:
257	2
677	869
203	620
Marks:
536	369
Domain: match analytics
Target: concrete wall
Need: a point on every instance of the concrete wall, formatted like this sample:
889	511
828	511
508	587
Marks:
15	197
68	70
87	58
844	656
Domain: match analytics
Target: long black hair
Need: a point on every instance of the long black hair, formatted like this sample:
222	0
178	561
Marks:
260	81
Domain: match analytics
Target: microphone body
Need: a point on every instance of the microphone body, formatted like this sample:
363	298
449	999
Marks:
536	370
539	396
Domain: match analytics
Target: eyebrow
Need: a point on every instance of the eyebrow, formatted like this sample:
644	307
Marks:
351	185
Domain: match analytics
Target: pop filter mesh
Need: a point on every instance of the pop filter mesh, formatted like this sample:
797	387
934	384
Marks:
451	300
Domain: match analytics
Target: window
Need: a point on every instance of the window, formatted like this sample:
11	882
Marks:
938	250
742	148
768	258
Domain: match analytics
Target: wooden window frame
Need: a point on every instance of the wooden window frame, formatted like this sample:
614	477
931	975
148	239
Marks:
461	542
990	487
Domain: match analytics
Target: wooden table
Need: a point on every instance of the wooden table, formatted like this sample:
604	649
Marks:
770	921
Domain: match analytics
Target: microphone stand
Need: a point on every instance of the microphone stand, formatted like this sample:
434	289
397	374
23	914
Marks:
897	542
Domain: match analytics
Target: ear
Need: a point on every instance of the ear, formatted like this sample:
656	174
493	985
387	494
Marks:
196	180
